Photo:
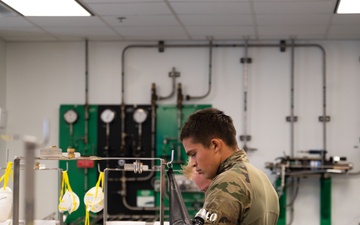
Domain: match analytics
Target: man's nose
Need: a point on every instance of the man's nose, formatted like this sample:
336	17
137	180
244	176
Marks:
193	163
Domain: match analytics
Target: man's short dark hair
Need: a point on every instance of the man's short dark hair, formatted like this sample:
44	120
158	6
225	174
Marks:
209	123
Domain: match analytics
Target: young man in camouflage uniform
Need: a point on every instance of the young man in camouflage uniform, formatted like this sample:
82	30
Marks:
239	192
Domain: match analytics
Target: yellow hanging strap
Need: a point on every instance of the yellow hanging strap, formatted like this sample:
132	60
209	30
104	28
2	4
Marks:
62	190
65	185
87	215
99	181
6	176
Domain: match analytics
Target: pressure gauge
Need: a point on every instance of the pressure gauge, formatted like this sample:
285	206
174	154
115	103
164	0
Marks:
107	116
140	115
70	116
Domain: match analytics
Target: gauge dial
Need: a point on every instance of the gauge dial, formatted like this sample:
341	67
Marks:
140	115
70	116
107	116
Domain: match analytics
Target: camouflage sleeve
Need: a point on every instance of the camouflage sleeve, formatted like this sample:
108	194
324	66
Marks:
227	199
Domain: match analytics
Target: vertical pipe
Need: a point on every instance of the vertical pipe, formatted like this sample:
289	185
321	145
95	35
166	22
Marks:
29	181
245	85
123	133
16	191
153	119
179	118
86	137
324	106
122	107
60	176
292	94
162	191
7	155
105	210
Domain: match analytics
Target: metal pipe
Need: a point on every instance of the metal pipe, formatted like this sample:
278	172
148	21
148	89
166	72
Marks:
245	87
324	106
162	191
30	146
60	215
162	185
123	133
292	45
292	144
153	119
179	118
7	155
188	97
106	190
86	136
173	75
16	191
292	82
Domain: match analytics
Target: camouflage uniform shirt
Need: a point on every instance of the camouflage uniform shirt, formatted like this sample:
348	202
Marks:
241	195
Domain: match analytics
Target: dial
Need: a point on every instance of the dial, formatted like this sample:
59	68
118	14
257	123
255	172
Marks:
107	116
140	115
70	116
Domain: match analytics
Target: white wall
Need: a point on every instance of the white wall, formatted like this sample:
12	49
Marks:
42	76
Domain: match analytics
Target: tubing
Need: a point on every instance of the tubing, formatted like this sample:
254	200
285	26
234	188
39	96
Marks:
292	45
173	86
86	136
188	97
292	100
245	89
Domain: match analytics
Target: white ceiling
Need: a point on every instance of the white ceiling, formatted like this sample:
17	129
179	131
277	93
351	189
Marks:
188	20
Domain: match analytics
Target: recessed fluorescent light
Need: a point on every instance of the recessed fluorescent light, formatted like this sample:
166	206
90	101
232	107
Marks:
348	7
47	7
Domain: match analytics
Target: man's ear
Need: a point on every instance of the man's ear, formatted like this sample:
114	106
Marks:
215	144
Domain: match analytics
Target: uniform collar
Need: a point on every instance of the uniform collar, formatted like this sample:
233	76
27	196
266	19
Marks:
237	156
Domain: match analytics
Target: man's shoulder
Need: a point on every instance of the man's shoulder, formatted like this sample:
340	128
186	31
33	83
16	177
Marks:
234	176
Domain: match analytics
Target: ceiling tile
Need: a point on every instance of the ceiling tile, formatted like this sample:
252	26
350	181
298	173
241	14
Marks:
343	30
81	32
126	9
298	7
216	20
201	8
349	19
296	19
14	22
152	20
213	31
292	31
25	34
158	33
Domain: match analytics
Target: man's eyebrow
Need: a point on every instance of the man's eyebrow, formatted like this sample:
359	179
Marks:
189	152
